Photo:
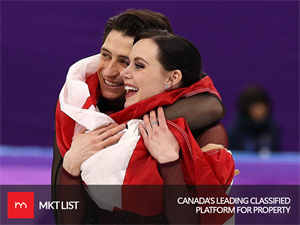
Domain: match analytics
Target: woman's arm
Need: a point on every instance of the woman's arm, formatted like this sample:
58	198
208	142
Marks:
164	147
199	110
175	187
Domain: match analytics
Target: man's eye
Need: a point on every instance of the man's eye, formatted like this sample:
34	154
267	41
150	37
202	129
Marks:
139	66
104	55
124	63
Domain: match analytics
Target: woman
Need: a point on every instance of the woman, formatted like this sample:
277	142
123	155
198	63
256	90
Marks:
161	62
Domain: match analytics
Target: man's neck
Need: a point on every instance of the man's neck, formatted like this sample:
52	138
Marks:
116	105
111	106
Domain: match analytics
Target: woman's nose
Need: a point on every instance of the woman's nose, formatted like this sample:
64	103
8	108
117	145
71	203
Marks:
126	73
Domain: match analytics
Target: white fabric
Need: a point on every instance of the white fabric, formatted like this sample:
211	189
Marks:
108	166
75	93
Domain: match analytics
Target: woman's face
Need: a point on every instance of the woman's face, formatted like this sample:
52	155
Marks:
145	76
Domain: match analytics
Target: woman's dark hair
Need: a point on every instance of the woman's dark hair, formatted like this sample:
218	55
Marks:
133	21
176	53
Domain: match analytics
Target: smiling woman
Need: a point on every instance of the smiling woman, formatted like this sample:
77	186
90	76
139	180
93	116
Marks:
144	77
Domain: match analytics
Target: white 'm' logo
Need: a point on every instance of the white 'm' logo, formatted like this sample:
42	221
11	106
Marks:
20	204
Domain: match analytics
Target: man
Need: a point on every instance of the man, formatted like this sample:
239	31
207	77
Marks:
117	43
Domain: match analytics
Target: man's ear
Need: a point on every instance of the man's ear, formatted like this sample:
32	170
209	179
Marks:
175	78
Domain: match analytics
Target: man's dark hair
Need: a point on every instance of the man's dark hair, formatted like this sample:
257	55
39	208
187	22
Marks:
176	53
132	22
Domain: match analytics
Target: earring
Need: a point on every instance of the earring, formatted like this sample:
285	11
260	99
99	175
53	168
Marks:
166	87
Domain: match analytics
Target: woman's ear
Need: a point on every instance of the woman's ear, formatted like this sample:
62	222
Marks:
175	77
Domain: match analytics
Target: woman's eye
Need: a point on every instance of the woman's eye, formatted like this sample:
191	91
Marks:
139	66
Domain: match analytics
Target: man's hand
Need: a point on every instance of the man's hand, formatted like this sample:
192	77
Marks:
86	145
211	146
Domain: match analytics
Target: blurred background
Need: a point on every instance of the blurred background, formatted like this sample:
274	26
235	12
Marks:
242	44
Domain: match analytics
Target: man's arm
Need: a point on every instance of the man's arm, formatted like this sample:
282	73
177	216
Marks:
67	184
55	175
199	110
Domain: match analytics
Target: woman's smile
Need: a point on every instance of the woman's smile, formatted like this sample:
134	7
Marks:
130	90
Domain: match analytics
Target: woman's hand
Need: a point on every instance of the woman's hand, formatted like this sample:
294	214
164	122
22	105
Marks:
86	145
158	139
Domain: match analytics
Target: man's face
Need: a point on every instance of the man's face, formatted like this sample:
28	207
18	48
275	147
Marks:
114	55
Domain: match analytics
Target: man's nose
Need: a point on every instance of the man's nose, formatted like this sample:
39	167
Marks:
111	70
